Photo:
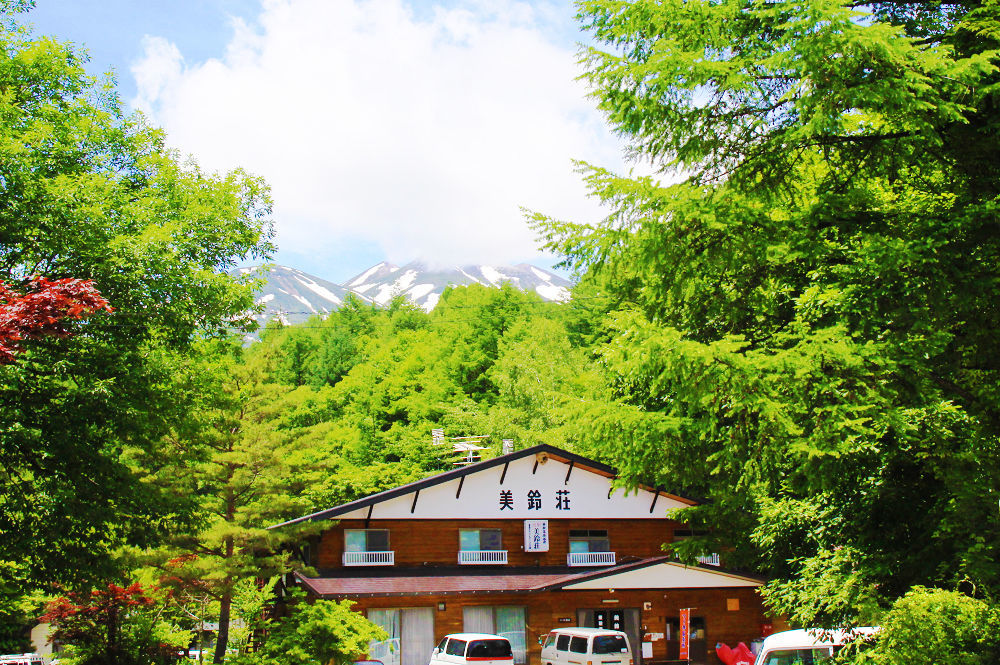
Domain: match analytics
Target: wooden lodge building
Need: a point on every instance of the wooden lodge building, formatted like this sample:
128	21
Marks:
518	545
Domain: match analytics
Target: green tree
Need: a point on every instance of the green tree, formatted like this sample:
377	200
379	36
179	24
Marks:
242	466
805	323
89	193
474	318
325	632
936	626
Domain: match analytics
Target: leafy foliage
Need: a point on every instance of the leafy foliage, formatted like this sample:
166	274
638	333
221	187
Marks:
90	194
324	632
43	310
802	329
121	625
242	467
936	626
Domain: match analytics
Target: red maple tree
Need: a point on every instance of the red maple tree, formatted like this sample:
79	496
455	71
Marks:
105	626
44	309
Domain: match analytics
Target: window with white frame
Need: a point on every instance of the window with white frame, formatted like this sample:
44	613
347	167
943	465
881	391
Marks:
366	540
475	540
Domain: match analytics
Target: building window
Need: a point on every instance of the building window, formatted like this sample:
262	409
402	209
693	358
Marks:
588	540
480	546
410	635
477	540
509	622
366	540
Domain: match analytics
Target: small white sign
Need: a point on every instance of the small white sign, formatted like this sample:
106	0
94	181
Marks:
647	649
536	535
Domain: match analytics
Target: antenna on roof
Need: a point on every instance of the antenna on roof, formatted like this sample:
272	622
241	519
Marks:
460	444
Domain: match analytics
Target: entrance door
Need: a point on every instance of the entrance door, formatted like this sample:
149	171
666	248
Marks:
698	645
625	619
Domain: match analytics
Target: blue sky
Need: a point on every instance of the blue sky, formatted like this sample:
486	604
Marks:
387	129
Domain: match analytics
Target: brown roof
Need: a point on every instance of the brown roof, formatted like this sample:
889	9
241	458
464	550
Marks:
425	584
450	581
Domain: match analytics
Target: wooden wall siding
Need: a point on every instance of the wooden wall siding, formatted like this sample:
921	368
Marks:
435	542
546	608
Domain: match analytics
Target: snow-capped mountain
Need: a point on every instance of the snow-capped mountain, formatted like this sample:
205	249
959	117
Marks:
424	286
293	296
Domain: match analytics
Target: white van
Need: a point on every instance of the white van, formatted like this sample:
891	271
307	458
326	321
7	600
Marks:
478	648
586	646
808	646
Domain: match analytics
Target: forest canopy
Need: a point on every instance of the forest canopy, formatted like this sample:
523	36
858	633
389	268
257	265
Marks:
804	329
801	330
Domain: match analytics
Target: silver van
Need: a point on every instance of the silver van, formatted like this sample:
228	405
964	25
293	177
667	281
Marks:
586	646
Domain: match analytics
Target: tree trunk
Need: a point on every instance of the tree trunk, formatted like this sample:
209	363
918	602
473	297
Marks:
222	641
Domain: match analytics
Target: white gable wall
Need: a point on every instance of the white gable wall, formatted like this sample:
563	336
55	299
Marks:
484	497
667	575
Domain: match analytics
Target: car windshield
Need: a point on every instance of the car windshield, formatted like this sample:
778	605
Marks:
489	649
798	656
610	644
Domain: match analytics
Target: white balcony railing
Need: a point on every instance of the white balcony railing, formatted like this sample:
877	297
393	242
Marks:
709	560
590	559
482	556
369	558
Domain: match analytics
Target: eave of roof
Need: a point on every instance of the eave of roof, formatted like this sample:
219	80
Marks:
456	582
424	585
645	563
430	481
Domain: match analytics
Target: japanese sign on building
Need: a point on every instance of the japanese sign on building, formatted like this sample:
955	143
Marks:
536	535
533	500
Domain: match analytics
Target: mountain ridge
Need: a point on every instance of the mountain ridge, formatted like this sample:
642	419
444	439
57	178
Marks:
292	295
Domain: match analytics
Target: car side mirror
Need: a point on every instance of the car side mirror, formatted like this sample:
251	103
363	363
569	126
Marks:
541	639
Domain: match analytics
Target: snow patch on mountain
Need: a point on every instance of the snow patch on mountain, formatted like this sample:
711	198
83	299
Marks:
492	275
544	276
419	291
360	279
406	280
321	291
472	279
552	292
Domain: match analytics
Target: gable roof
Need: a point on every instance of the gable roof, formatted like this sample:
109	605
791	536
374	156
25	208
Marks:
541	453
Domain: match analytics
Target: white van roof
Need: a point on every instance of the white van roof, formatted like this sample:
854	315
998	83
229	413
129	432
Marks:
476	636
585	632
814	637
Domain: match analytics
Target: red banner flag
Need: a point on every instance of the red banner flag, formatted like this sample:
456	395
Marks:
685	634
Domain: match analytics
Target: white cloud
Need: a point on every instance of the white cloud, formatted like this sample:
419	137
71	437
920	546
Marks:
420	130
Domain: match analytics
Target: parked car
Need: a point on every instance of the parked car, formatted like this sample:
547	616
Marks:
807	646
478	648
21	659
586	646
